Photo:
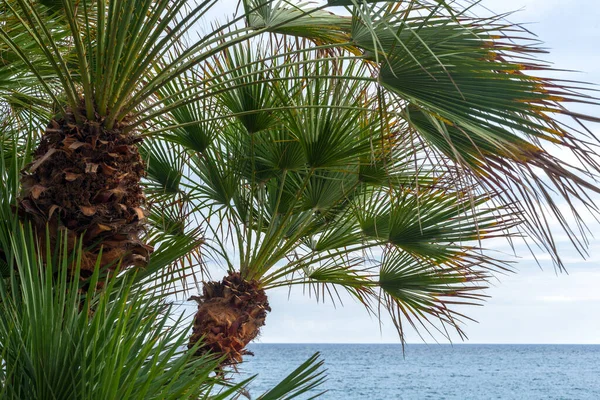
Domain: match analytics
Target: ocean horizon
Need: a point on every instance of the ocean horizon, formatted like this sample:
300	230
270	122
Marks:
422	344
382	371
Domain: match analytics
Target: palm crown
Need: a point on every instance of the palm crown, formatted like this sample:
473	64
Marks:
373	151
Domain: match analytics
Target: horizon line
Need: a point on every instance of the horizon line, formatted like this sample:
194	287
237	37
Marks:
432	344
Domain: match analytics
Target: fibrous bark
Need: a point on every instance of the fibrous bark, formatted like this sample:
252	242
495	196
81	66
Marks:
230	315
85	179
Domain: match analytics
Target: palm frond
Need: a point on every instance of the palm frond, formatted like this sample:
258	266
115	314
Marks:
56	339
302	380
426	295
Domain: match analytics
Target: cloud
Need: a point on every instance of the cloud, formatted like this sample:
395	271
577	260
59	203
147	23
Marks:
568	299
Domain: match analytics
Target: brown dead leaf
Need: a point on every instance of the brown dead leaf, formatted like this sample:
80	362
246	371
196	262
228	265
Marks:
91	168
103	227
88	211
118	193
37	190
138	261
68	141
77	144
142	249
107	170
53	208
71	176
140	213
42	159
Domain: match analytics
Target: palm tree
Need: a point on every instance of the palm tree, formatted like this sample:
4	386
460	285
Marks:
374	157
372	151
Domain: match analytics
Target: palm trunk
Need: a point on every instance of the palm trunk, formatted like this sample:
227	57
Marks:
86	180
230	315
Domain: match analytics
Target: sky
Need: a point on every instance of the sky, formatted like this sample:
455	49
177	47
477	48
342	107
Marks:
531	306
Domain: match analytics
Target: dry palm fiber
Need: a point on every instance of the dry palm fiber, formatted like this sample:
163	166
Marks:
86	179
230	315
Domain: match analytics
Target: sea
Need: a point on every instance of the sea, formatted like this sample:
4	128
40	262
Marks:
435	371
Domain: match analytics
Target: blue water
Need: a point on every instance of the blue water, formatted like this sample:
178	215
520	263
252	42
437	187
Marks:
379	371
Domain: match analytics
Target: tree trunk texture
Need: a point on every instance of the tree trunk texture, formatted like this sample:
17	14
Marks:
230	315
85	180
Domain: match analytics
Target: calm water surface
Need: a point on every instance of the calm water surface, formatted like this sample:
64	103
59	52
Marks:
379	371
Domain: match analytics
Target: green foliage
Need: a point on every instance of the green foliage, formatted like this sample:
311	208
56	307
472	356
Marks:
290	19
413	288
374	152
331	176
431	224
57	338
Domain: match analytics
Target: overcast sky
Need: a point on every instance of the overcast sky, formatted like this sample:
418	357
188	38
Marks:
532	306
